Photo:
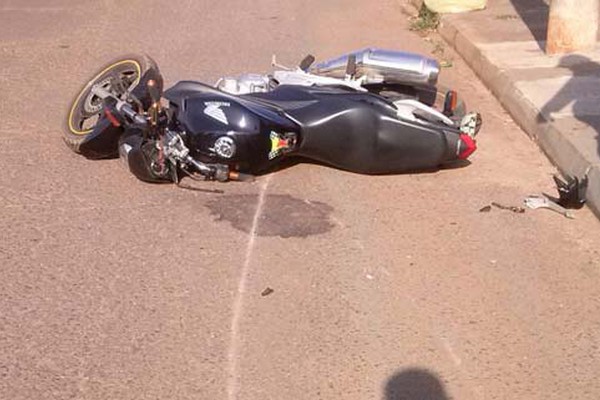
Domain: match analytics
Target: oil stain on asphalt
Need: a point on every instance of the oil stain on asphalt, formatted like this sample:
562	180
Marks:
283	215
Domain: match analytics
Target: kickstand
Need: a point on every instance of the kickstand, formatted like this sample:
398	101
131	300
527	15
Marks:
197	189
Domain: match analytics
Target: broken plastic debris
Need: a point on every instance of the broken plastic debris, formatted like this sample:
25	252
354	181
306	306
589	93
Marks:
571	195
542	201
571	191
488	208
518	210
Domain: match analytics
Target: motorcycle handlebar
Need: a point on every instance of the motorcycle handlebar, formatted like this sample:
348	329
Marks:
121	106
131	113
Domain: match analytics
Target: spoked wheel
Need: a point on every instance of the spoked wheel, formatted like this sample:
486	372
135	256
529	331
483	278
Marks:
118	77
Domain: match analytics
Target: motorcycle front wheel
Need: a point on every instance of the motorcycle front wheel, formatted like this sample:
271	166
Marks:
118	77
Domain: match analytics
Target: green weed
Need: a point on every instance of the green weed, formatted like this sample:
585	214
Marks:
426	21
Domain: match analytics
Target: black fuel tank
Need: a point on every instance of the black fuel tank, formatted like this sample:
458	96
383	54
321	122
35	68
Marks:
209	115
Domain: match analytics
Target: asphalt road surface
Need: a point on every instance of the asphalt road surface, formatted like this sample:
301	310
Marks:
387	287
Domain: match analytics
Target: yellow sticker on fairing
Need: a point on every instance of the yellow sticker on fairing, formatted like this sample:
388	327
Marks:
278	145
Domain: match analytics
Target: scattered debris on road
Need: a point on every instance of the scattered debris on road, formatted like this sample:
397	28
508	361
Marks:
517	210
267	292
571	191
542	201
488	208
571	195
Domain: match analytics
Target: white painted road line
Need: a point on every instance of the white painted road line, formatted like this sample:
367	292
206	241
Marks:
233	382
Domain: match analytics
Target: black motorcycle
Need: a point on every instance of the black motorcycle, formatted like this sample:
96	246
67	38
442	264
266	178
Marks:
208	133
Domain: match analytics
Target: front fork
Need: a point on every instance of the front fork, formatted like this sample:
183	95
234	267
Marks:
169	144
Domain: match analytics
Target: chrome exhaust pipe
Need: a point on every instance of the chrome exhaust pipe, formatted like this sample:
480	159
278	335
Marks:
383	66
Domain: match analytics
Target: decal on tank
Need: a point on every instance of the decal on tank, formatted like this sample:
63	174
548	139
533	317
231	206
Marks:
213	110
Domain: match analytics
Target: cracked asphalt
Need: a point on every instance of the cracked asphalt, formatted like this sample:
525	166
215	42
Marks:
383	287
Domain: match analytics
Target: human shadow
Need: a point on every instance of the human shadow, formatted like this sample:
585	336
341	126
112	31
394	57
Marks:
580	91
534	13
415	384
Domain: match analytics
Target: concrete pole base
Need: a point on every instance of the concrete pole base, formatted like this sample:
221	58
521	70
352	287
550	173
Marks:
572	26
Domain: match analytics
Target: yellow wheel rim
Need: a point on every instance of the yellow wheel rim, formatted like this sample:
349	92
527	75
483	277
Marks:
138	68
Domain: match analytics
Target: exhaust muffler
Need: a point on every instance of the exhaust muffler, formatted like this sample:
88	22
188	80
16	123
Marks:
383	66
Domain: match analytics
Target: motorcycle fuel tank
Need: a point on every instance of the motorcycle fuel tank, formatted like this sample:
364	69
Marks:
378	66
230	129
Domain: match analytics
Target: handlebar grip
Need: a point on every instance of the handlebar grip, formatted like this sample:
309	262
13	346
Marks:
131	113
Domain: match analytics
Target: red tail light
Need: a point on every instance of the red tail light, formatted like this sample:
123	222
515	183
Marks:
467	146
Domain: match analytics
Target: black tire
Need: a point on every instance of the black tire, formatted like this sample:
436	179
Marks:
86	107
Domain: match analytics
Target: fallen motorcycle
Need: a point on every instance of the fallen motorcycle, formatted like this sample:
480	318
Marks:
363	112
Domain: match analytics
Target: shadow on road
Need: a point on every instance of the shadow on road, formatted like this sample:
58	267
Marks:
534	14
297	160
415	384
580	91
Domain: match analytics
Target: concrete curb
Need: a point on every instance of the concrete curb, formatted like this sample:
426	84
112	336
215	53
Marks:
556	142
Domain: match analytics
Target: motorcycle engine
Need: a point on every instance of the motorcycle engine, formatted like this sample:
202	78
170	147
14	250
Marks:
244	84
